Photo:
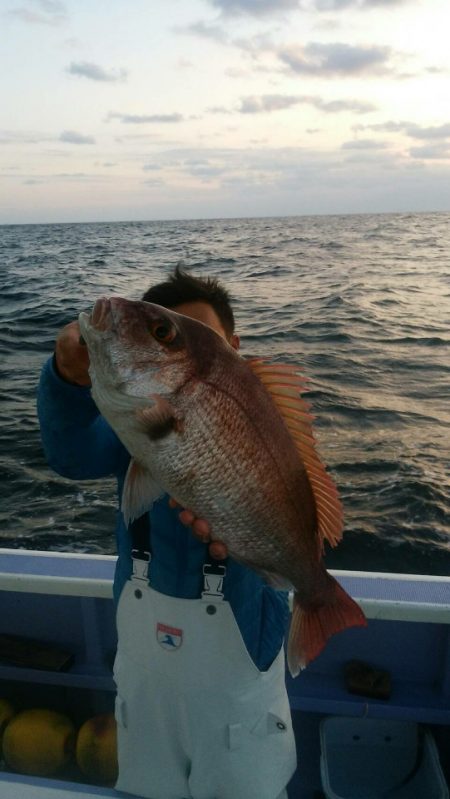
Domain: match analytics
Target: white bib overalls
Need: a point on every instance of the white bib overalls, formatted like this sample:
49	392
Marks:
196	718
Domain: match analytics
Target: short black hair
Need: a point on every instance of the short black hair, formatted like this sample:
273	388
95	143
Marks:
182	287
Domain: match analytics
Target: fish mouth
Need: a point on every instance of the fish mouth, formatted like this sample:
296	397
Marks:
100	320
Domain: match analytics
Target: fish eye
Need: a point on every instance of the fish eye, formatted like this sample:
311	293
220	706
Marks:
164	332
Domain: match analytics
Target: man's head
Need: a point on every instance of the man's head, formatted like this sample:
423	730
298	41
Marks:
203	299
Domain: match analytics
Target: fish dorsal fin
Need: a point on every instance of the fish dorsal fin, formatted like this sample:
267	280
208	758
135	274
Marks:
285	385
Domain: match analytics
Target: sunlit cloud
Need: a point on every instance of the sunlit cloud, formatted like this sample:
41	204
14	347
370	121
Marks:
86	69
335	59
267	103
279	102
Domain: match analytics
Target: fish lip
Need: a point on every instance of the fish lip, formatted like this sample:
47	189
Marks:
101	317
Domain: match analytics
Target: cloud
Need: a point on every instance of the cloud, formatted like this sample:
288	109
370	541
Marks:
205	30
218	109
266	7
204	169
268	180
267	102
340	5
184	63
437	137
413	130
363	144
144	119
433	132
72	137
254	7
18	137
440	150
86	69
279	102
41	12
328	60
335	106
154	183
33	178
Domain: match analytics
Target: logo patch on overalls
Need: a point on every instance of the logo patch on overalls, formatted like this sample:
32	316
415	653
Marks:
169	638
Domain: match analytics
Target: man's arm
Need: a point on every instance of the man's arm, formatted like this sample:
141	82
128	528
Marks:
78	442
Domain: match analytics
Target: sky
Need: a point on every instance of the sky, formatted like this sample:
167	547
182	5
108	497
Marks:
185	109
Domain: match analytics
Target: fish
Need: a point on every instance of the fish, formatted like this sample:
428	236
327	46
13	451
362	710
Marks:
232	440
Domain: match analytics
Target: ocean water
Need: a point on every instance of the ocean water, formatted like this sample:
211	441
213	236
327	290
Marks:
361	303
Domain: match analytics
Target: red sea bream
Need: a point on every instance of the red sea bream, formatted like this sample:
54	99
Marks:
229	438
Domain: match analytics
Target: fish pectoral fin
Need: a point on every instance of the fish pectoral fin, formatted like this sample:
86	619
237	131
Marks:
285	385
160	419
139	492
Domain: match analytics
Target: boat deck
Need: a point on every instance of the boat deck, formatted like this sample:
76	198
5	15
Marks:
66	599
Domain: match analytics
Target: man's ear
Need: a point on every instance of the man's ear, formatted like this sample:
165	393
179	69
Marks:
235	341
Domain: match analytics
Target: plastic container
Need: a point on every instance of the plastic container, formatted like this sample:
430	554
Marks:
376	759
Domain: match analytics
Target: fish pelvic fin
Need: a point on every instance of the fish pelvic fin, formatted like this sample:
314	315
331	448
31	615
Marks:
285	385
311	628
139	492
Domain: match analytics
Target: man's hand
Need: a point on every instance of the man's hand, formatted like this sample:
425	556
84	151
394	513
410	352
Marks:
72	357
201	530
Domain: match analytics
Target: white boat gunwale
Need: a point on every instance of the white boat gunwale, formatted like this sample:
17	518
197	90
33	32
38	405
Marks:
26	574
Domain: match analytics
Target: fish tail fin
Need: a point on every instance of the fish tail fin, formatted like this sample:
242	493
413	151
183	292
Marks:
311	628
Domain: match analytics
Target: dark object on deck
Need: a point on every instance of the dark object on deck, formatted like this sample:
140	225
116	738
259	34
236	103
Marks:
365	680
28	653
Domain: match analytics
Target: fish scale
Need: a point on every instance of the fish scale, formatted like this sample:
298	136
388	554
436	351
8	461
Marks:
228	507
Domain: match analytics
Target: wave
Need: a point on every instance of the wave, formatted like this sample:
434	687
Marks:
361	303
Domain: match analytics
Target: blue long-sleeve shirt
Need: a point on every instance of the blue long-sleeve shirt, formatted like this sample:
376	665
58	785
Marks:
79	444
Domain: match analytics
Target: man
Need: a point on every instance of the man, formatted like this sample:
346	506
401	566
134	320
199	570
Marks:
211	721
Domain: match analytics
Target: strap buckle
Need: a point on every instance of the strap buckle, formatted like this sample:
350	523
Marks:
141	561
213	576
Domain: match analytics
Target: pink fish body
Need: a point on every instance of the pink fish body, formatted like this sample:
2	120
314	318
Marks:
230	439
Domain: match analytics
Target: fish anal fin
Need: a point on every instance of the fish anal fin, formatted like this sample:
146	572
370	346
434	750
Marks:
311	628
285	385
276	580
139	492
